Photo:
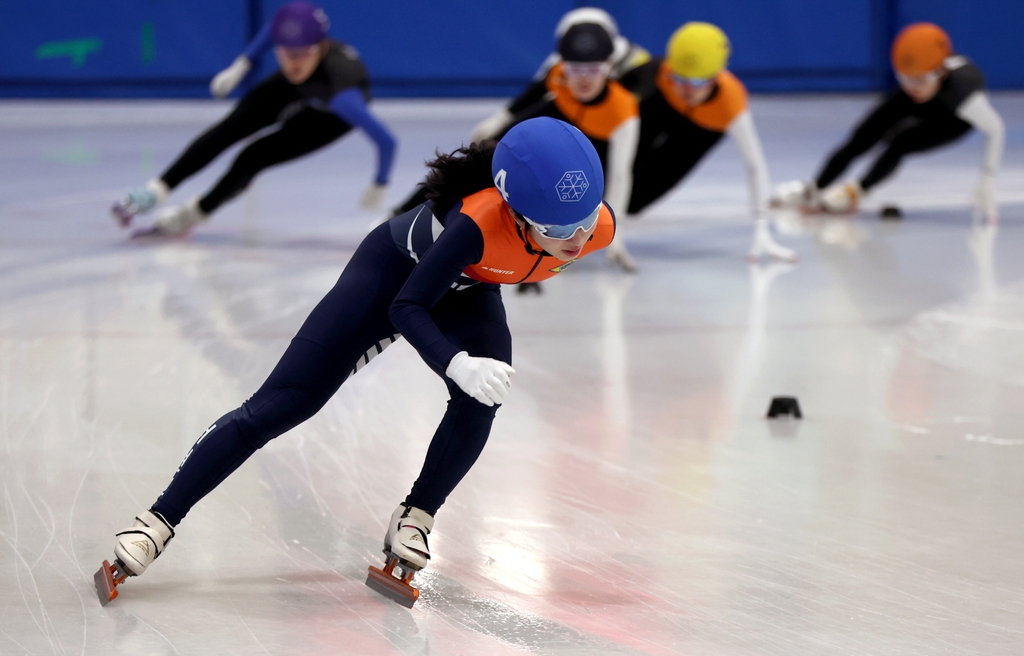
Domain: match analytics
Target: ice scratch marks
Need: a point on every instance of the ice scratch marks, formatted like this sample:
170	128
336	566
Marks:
246	624
156	631
43	621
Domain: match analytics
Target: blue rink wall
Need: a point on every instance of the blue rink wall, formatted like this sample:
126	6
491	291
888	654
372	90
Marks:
171	48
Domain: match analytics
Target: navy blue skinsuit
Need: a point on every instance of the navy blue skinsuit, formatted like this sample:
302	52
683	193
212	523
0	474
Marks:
382	292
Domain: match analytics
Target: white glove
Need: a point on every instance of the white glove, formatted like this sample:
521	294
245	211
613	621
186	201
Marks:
985	209
373	197
224	82
492	125
485	379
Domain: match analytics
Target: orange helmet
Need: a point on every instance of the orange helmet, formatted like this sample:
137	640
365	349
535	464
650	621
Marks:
920	48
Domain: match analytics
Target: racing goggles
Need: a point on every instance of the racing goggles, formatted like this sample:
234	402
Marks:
695	82
564	232
587	69
917	81
300	52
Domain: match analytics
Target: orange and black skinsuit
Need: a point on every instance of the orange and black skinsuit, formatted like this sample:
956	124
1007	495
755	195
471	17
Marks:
674	136
433	280
597	119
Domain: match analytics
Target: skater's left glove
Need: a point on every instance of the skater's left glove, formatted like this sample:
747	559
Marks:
373	197
985	209
485	379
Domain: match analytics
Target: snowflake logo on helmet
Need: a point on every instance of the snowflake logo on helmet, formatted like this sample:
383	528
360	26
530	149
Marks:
572	186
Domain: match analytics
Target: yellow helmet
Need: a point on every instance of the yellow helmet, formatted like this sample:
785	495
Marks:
698	51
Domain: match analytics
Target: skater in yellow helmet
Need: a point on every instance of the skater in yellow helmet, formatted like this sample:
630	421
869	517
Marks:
941	96
688	101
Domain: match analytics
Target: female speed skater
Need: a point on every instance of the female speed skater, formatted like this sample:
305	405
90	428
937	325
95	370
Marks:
580	92
688	101
319	94
941	96
523	209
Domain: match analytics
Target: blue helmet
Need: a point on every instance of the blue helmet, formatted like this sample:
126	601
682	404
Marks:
549	172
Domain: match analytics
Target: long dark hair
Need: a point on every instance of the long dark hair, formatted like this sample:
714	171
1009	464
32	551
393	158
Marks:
458	174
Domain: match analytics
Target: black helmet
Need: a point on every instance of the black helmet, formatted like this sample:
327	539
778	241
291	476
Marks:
586	42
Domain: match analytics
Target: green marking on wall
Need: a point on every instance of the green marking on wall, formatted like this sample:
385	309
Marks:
76	49
147	164
147	42
76	154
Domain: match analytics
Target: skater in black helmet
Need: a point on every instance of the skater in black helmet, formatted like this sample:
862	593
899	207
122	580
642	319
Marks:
319	94
521	210
626	56
940	98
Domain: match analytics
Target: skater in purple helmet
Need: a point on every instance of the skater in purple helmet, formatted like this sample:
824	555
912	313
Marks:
319	94
521	210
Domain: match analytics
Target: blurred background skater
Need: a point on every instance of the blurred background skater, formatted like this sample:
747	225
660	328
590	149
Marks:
579	90
522	209
941	96
688	100
626	56
319	94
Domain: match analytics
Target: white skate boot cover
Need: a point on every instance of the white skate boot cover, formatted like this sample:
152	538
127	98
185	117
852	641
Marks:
841	198
138	546
176	221
407	536
794	194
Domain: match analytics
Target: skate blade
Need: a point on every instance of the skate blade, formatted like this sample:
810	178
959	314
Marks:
106	583
121	215
156	233
392	587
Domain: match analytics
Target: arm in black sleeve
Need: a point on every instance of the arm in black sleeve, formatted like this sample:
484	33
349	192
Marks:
870	131
533	94
460	245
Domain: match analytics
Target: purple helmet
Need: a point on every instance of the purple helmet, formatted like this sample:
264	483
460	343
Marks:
299	24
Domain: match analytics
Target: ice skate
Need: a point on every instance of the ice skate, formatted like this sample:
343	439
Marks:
174	221
406	552
620	257
765	244
841	198
795	194
139	200
136	549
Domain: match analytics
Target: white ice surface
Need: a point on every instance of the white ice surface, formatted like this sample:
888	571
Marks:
631	500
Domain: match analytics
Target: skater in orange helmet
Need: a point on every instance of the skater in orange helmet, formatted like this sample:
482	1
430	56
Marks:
941	96
519	211
688	101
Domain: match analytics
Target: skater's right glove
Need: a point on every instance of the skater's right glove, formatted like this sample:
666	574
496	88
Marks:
485	379
224	82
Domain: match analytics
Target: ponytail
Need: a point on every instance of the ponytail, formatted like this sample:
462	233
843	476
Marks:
458	174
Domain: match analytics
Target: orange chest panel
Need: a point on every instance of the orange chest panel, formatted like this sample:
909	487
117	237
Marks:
599	120
716	114
506	259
